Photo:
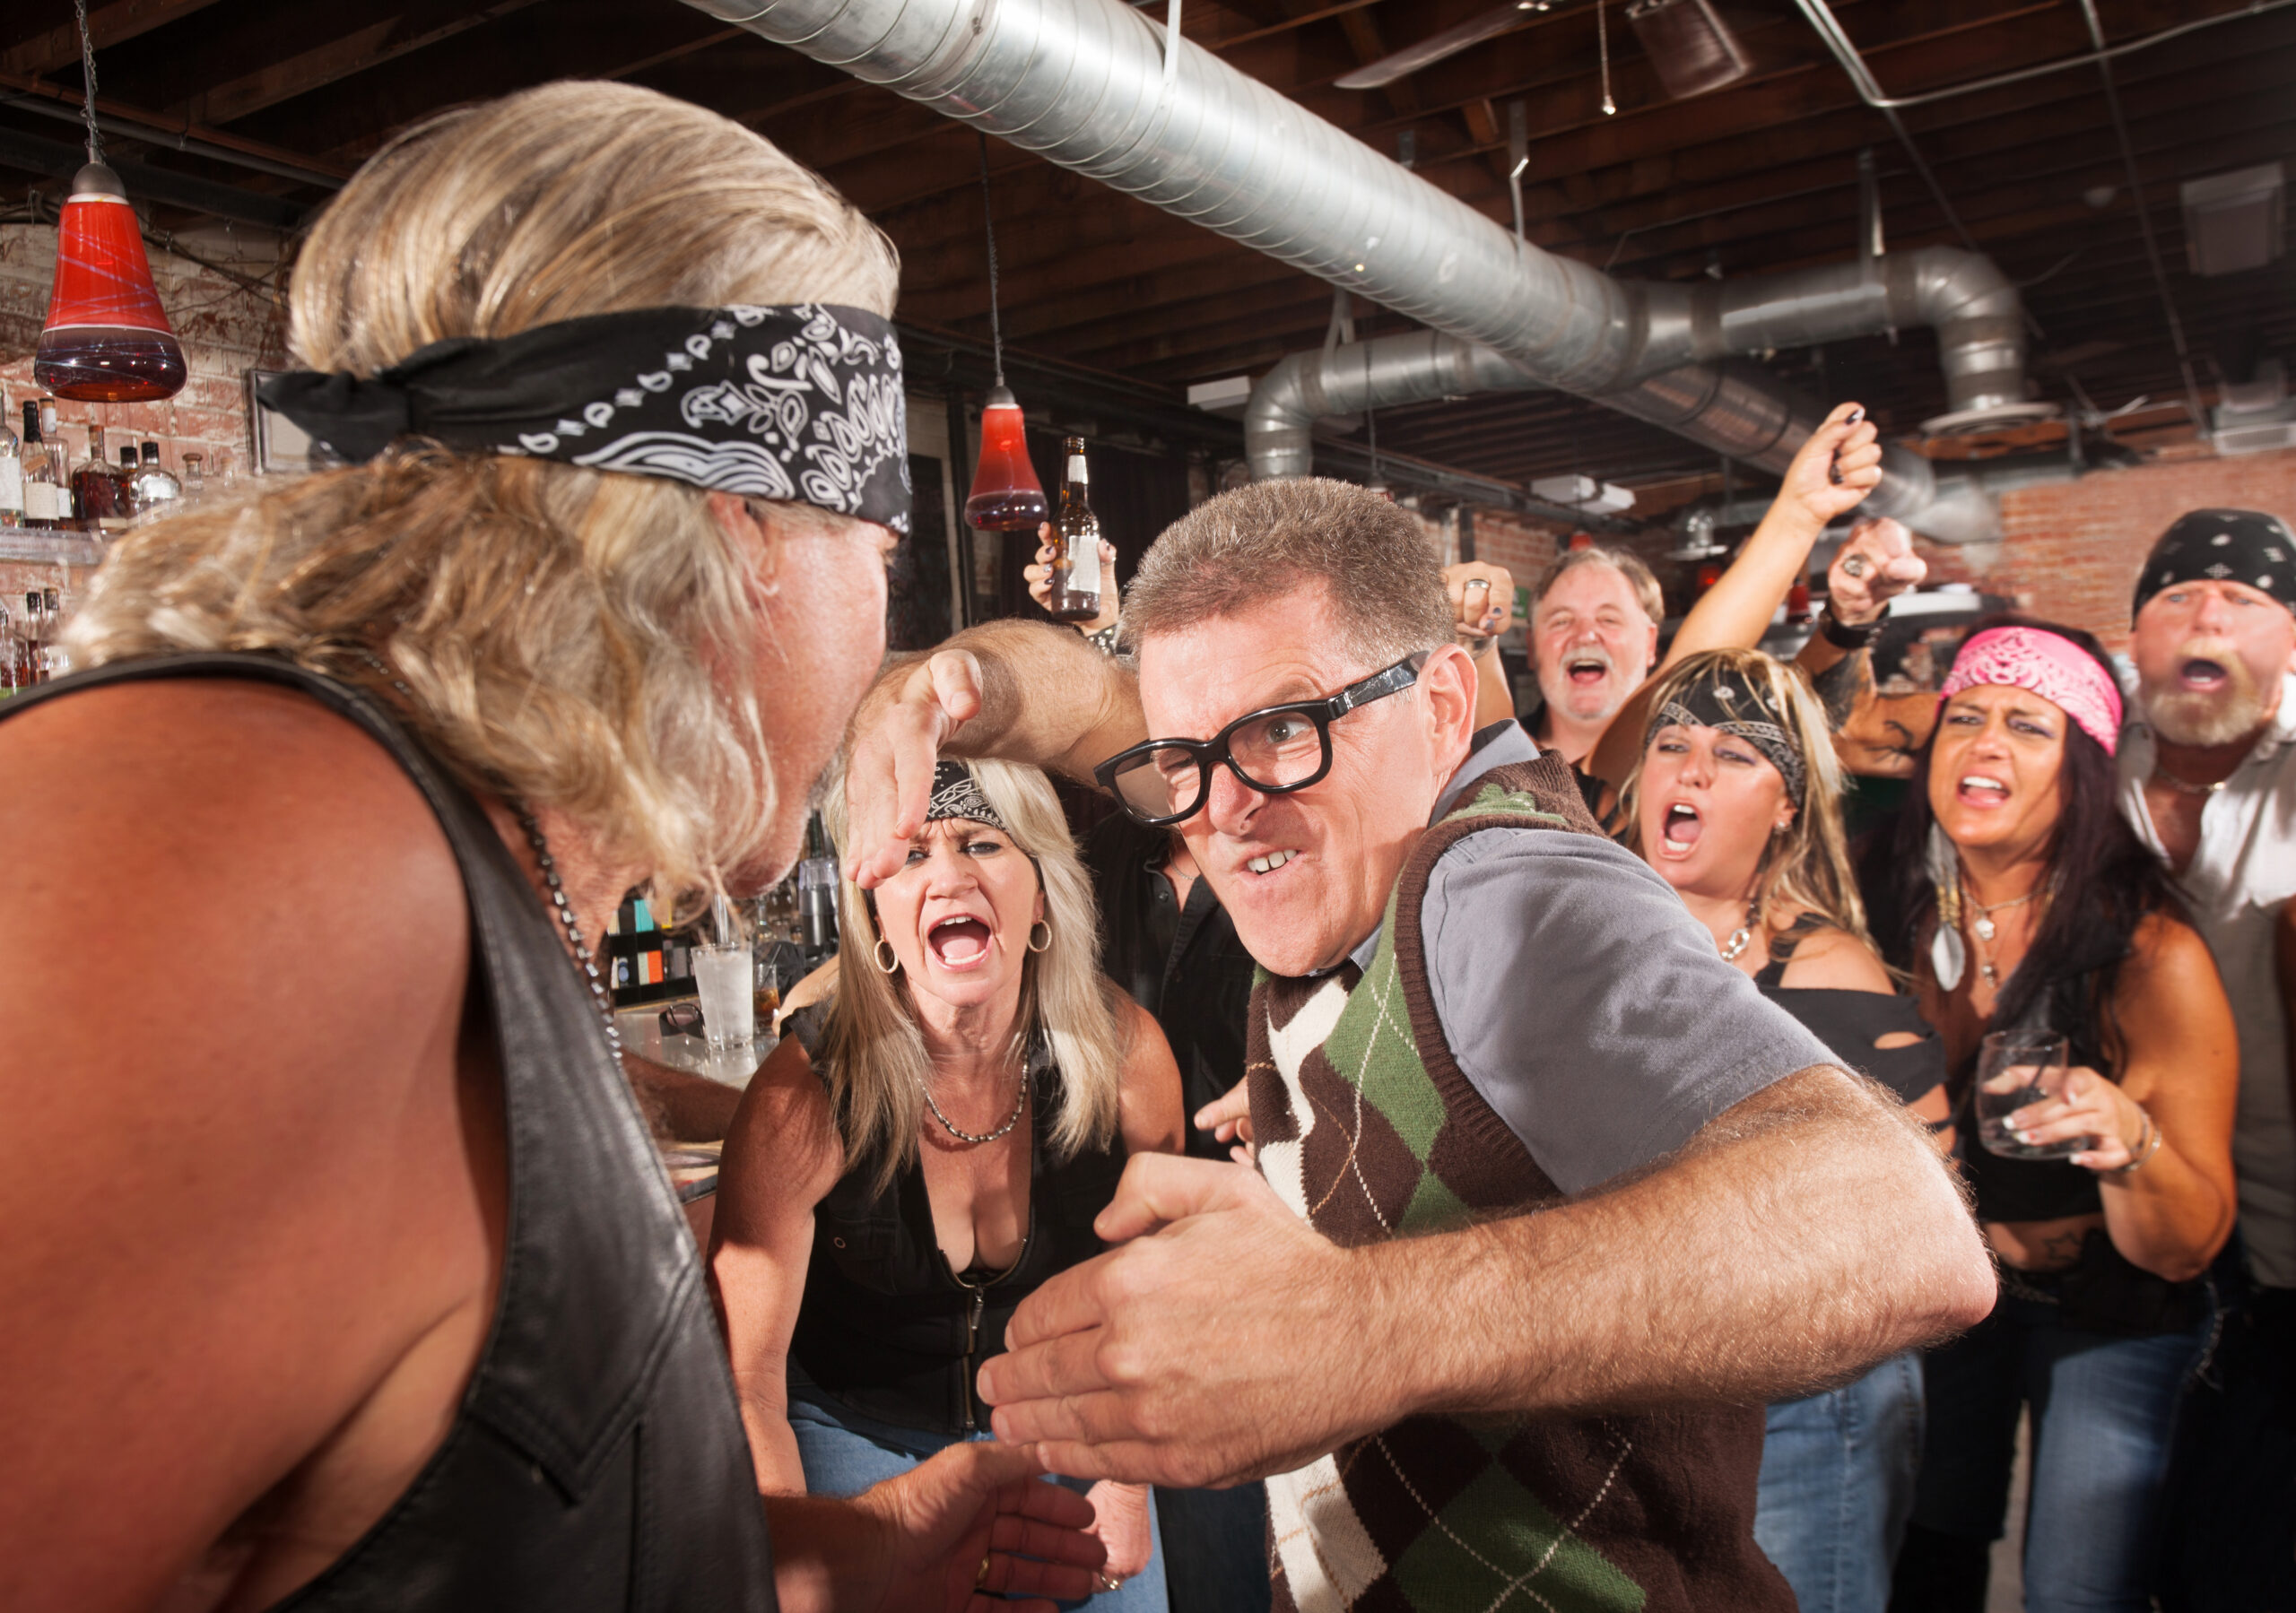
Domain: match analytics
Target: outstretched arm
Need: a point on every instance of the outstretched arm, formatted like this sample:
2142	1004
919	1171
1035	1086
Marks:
1734	613
1805	1232
1023	691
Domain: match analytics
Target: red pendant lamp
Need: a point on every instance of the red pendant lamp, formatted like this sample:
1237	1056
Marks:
1006	496
107	339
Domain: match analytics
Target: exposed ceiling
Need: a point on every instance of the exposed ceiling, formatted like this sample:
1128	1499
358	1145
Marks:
272	96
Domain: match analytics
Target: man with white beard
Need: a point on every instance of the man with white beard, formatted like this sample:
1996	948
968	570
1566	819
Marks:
2208	776
1593	630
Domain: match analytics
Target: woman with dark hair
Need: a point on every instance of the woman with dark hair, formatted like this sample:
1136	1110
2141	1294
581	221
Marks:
2019	900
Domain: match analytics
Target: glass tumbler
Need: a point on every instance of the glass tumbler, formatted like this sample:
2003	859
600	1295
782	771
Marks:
2016	1068
722	974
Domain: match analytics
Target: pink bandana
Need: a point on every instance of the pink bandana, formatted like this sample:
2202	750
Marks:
2055	668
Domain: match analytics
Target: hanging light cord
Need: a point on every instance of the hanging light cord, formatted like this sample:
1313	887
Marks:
988	218
88	76
1603	45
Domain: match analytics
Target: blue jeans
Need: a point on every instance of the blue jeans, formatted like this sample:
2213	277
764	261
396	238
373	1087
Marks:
845	1452
1837	1486
1216	1549
2104	1409
2231	1526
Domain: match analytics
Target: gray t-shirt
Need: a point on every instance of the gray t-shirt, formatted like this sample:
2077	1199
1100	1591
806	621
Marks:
1582	999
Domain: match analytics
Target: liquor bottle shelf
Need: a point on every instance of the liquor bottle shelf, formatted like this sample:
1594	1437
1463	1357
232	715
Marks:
34	543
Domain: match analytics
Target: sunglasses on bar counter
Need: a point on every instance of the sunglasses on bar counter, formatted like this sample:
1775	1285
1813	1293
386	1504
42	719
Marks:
1275	750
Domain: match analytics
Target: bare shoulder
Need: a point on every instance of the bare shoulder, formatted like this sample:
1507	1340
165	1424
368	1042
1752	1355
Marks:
2170	993
1832	959
255	1026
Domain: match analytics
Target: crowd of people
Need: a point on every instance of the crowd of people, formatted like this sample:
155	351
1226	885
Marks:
1402	1157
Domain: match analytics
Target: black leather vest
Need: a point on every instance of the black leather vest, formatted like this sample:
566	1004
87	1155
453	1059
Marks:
885	1326
598	1460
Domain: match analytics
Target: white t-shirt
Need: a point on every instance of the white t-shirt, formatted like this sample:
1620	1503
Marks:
2241	878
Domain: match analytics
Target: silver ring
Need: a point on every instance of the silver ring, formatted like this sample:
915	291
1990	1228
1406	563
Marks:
1855	566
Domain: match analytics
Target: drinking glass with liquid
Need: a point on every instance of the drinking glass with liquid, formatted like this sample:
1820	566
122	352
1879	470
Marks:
2016	1069
724	977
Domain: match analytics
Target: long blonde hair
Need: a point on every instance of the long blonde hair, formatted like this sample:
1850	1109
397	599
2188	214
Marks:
1806	869
572	637
872	1052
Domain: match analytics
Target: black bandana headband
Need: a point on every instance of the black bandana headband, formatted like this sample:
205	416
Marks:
801	402
2222	546
1726	701
957	793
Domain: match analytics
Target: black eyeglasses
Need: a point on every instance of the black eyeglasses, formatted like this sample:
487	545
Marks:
1275	750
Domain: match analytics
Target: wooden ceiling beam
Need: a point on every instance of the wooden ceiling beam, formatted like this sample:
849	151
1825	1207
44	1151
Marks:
361	49
49	48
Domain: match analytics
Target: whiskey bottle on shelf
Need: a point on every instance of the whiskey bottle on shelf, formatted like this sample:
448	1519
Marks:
10	655
11	476
54	659
42	488
1075	592
97	489
155	493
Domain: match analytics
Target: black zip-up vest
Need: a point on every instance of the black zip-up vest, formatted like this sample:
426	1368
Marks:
598	1460
885	1326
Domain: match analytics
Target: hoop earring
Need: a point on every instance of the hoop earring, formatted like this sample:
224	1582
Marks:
878	956
1033	945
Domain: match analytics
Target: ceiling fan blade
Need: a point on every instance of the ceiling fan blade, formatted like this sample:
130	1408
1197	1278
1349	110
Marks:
1434	48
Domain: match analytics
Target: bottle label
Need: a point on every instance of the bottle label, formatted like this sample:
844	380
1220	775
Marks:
63	503
39	502
1076	472
1084	558
12	488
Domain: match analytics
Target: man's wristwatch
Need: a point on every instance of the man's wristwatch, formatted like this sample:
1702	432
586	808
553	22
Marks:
1842	636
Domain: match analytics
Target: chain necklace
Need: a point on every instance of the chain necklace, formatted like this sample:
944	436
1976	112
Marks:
2186	786
1020	1102
1743	936
560	908
1983	922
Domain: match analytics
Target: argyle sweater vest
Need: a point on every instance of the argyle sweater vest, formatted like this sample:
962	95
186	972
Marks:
1367	1128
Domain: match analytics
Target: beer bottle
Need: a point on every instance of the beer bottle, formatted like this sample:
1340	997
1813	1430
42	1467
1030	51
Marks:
1075	592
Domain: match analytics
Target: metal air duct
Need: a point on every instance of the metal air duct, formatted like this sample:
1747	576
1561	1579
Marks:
1083	82
1972	306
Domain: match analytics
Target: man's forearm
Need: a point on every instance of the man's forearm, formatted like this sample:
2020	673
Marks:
1806	1234
1047	698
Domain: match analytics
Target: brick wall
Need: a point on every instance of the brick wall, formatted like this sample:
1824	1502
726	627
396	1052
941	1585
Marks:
226	329
2070	552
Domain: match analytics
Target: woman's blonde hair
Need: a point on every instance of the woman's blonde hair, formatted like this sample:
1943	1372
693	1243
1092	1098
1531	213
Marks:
1805	870
872	1053
571	637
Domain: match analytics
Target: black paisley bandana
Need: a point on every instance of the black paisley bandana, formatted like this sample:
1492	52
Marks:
802	403
956	794
1726	701
2225	546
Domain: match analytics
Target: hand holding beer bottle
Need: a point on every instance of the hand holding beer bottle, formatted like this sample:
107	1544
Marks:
1073	579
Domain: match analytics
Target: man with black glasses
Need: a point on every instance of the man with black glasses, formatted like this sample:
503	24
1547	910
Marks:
1548	1199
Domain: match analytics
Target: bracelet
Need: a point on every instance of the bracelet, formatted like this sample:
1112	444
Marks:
2147	1145
1104	640
1842	636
